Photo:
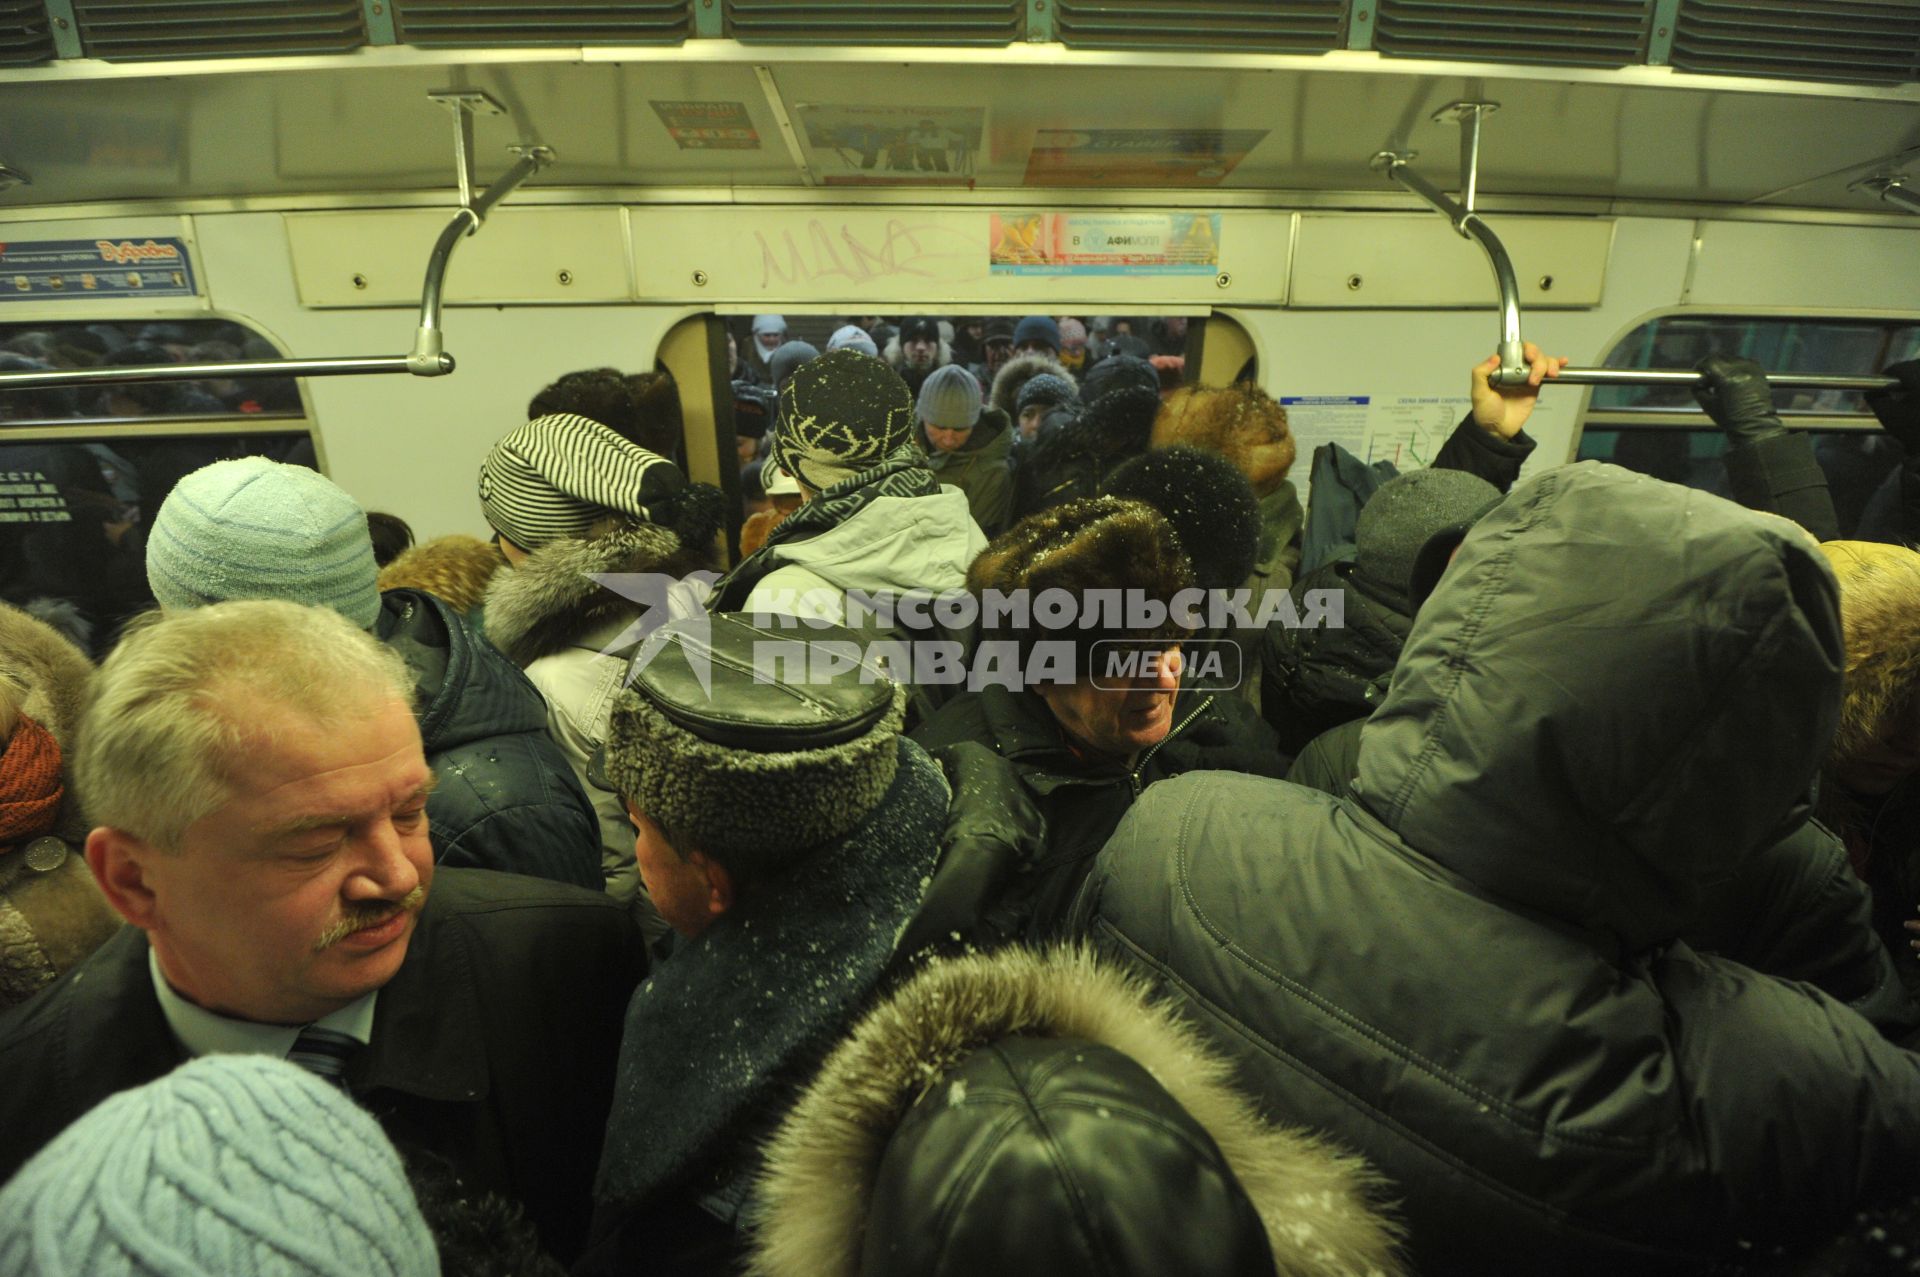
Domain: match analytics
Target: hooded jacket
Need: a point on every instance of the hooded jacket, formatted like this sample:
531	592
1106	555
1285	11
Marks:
1316	677
506	798
1056	1075
980	471
1471	975
570	634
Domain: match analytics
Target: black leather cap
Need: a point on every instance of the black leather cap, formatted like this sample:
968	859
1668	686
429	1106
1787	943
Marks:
740	686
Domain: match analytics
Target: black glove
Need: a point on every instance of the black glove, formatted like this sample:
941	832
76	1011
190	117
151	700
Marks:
1736	395
1899	408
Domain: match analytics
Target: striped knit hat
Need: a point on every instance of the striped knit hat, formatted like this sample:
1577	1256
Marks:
556	476
255	529
841	414
231	1164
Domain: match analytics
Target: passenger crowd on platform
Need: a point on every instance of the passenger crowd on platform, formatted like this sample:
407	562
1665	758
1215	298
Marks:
1487	874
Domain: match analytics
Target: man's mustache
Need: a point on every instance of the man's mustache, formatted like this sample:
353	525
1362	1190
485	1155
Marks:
361	915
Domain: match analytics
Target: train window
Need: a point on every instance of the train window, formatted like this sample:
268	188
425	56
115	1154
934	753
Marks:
25	346
1638	426
1780	344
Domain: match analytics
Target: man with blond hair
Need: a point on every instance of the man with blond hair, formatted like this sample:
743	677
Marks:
257	790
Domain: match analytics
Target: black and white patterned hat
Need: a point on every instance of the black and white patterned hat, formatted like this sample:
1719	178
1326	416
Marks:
557	475
841	414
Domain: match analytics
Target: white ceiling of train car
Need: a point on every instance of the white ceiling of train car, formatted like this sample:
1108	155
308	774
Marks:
363	124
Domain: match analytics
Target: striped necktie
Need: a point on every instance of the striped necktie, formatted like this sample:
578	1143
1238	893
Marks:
325	1052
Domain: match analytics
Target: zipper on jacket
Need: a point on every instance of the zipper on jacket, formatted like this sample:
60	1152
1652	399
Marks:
1133	777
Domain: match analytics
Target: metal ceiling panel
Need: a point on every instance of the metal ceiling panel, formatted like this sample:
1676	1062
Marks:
1865	40
140	30
493	23
874	22
1247	26
25	36
1578	32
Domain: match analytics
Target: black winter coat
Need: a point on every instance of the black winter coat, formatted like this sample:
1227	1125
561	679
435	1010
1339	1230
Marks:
1474	974
506	798
1082	801
1316	678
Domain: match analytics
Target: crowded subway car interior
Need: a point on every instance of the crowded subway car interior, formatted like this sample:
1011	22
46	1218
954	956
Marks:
1118	637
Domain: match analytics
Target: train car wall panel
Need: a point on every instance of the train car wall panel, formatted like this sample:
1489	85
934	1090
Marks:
520	255
964	257
1374	260
1798	266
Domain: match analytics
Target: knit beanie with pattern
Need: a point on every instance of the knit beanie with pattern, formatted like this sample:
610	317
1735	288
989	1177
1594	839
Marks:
840	415
235	1165
558	475
950	399
251	528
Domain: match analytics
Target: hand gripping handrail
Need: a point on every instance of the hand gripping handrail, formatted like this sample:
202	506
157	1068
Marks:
1513	370
427	358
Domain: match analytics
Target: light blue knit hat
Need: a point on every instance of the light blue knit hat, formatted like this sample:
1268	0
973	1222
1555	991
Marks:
231	1165
256	529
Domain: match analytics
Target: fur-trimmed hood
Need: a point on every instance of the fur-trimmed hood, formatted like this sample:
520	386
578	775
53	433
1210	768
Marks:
822	1168
551	601
1880	611
456	569
1016	373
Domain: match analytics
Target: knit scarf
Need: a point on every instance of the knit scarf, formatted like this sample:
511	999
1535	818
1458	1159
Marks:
30	785
903	475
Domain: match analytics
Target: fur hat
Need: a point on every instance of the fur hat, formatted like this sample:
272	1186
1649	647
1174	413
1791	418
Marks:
1880	612
950	399
1052	1081
454	568
251	528
230	1164
1209	503
557	476
754	770
1241	422
841	414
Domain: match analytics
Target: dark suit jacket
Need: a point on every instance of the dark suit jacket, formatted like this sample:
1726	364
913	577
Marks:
494	1045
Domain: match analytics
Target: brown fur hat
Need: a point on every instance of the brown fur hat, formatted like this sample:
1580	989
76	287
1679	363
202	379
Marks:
1242	423
454	568
1880	611
1095	543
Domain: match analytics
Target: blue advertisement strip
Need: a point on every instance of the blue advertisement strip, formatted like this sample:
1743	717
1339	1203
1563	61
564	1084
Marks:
43	270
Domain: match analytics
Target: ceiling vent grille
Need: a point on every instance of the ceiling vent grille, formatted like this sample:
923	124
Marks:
1872	40
25	37
140	30
484	23
874	22
1250	26
1605	33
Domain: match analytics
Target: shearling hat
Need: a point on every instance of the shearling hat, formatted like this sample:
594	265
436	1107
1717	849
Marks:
1209	503
231	1164
1046	388
256	529
557	476
1037	328
782	362
841	414
853	337
1399	519
950	399
747	743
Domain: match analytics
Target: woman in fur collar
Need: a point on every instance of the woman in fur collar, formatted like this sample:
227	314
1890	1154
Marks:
572	502
1049	1087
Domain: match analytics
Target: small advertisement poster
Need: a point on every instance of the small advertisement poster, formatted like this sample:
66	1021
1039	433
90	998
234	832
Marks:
1137	157
708	126
1025	243
49	269
893	145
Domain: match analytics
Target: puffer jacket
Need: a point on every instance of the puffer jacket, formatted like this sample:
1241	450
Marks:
981	470
1472	974
506	798
573	636
1081	800
1016	1108
1315	678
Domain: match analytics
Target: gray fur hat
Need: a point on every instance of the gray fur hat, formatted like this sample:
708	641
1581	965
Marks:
755	770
